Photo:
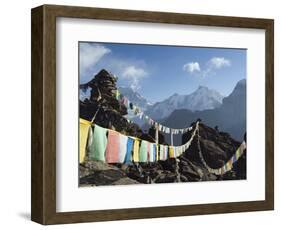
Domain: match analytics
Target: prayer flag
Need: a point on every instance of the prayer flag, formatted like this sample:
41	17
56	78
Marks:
165	152
148	151
156	151
171	152
130	144
161	153
122	148
143	152
112	147
84	133
136	150
98	144
237	154
151	153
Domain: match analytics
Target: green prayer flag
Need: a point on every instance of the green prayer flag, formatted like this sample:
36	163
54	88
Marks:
98	143
143	152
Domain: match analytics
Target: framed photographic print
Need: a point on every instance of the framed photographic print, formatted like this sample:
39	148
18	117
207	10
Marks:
141	114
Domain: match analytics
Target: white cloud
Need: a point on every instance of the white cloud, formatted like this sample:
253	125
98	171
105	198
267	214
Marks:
218	62
133	74
93	58
90	54
209	68
191	67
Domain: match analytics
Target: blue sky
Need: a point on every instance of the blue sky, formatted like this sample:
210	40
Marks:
157	72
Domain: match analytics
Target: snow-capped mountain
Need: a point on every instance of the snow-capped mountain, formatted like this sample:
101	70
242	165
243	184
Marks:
201	99
135	97
230	117
137	100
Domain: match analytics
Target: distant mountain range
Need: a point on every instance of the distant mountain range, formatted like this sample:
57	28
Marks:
201	99
228	113
230	117
135	97
138	100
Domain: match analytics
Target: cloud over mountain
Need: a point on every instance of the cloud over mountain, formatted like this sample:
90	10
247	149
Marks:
95	56
90	54
134	74
218	62
209	67
191	67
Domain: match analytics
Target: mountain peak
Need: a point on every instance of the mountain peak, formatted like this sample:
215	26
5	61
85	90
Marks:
134	97
240	87
201	99
242	82
200	87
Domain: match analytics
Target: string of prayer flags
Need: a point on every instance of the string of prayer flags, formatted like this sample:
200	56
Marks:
133	109
228	165
113	147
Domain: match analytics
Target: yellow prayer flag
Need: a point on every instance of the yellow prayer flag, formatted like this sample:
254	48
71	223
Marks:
230	164
157	152
171	152
84	131
136	150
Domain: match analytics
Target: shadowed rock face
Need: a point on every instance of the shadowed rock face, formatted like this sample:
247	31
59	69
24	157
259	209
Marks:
217	147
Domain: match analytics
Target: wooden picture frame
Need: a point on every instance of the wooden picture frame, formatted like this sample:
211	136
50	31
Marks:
43	208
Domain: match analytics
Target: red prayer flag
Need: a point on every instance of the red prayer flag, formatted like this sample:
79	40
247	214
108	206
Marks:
111	152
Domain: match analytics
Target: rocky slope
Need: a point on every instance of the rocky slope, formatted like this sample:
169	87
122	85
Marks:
217	147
